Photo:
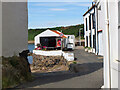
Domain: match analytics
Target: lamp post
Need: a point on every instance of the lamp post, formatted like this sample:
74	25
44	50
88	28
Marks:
80	36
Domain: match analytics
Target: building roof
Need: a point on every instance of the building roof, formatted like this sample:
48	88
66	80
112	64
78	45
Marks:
51	33
89	9
59	33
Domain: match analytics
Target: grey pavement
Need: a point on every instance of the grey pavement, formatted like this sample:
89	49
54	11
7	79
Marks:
90	74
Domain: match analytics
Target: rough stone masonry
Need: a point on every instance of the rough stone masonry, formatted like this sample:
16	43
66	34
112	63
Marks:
45	63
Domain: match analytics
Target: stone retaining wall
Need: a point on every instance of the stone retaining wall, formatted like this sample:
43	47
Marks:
44	63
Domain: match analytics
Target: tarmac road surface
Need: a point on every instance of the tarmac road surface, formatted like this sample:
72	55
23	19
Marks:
90	75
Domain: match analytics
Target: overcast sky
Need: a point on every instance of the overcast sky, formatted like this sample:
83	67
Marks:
53	14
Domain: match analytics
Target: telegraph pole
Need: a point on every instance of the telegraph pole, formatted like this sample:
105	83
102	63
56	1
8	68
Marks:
80	36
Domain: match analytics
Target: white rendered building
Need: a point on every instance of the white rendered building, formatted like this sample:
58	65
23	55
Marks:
93	35
109	21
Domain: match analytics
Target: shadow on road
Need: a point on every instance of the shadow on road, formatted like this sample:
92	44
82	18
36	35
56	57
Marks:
52	77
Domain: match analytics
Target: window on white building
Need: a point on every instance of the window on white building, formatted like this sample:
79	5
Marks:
90	40
94	44
93	20
86	25
90	22
87	41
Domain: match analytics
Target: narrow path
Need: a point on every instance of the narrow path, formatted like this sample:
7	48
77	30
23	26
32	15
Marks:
90	75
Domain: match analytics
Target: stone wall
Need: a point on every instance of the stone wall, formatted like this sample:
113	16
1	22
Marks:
44	63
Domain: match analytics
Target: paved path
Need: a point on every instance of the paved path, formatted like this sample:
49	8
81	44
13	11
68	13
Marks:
90	75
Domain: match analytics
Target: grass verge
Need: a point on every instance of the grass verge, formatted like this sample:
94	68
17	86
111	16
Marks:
15	70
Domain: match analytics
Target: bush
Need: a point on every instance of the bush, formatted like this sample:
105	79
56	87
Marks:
15	70
74	62
85	47
89	48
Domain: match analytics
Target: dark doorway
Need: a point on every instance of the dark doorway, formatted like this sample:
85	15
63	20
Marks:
90	40
87	40
48	41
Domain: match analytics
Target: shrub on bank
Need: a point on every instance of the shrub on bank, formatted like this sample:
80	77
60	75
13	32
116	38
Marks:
15	70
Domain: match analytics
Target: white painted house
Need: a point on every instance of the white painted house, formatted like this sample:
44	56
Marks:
108	12
13	28
93	35
46	44
49	38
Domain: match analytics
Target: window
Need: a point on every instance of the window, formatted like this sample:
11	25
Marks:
87	40
90	40
90	22
94	44
93	20
68	37
86	25
48	41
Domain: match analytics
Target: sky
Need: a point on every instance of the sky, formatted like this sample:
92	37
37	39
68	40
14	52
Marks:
55	14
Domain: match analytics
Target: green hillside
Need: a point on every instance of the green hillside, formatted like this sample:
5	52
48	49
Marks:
69	30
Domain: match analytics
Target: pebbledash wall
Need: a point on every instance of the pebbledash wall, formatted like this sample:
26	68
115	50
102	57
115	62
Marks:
14	28
108	21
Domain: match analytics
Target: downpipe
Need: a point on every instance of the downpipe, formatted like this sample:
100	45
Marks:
108	37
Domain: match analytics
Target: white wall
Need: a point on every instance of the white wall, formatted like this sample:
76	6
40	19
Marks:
101	16
14	28
48	53
100	43
0	44
85	30
37	41
119	46
114	40
114	37
101	26
0	28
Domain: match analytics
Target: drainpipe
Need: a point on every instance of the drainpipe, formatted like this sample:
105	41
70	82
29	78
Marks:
108	37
